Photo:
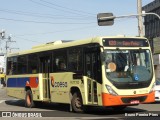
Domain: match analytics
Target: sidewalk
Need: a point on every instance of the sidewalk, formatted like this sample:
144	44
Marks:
1	86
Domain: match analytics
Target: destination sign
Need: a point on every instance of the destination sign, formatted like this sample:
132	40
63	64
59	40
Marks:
125	43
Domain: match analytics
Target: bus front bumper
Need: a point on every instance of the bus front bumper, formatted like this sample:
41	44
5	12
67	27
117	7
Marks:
111	100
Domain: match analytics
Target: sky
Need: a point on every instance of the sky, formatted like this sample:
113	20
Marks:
34	22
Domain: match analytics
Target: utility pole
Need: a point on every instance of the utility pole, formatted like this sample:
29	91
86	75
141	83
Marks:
2	37
140	20
10	50
8	41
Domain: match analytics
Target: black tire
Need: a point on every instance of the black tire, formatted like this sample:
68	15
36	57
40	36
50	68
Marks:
118	108
38	103
77	103
29	103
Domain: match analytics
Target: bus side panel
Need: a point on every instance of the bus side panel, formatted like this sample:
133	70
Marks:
85	95
16	85
40	87
60	87
37	91
16	92
99	91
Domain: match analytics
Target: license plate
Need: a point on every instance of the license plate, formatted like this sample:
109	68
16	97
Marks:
134	102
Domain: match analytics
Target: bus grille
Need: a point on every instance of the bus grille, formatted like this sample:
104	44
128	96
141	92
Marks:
128	100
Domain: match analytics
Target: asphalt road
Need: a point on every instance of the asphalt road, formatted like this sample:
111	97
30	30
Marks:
47	111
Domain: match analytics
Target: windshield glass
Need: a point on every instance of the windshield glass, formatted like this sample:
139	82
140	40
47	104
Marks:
128	65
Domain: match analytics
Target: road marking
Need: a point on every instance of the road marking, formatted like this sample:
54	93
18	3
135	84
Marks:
1	101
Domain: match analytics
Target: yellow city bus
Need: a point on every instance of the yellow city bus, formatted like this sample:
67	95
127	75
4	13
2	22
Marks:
103	71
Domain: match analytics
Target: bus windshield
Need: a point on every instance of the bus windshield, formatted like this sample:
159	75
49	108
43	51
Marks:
125	66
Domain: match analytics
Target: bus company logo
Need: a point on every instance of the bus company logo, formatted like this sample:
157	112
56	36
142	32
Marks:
57	84
52	81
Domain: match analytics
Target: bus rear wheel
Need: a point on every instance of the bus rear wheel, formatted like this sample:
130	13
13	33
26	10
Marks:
29	99
76	102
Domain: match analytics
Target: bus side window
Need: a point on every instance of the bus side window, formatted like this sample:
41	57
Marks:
61	65
72	66
59	61
75	59
12	65
32	64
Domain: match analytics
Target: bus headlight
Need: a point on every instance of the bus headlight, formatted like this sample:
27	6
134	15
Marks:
153	86
110	90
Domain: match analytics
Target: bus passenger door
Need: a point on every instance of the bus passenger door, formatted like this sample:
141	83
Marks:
92	71
45	70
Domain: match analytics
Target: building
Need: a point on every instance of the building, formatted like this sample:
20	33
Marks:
152	32
152	22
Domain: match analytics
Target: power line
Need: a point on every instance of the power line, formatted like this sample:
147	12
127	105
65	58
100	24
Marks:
42	22
43	15
17	36
57	9
67	30
66	7
26	39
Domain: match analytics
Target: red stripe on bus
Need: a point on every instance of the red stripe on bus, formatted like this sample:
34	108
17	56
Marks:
33	82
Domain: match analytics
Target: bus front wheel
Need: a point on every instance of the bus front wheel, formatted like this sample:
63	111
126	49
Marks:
76	102
29	99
